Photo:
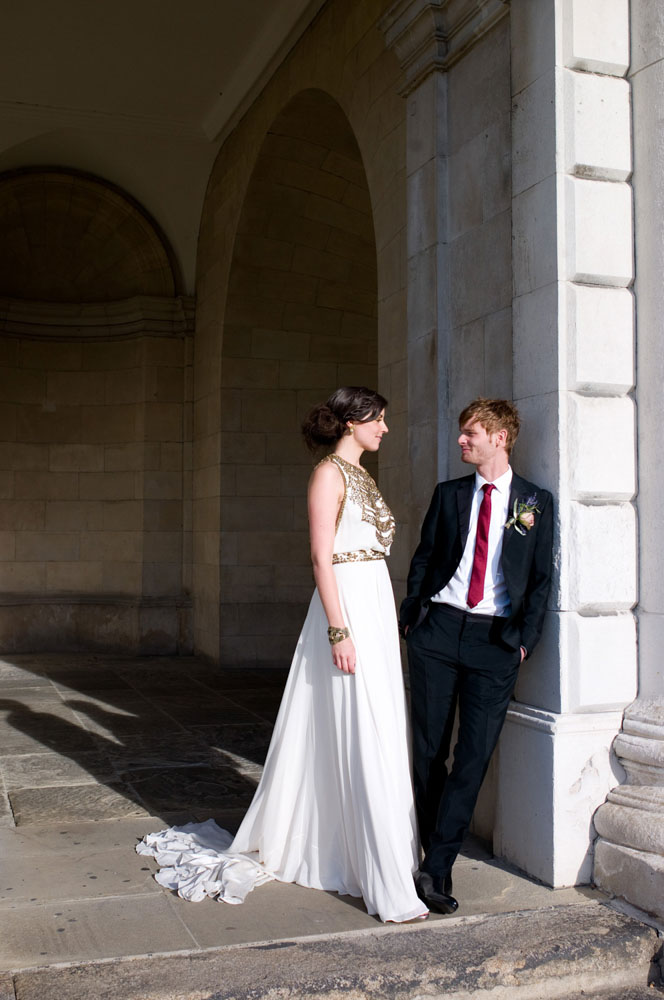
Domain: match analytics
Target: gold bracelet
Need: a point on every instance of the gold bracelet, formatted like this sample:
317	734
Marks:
336	635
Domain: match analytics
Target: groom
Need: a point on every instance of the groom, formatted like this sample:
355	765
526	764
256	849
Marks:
477	593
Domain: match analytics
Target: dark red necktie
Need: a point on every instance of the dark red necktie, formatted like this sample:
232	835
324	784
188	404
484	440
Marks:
476	589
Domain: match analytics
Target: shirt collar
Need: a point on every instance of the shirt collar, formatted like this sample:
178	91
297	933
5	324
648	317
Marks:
502	483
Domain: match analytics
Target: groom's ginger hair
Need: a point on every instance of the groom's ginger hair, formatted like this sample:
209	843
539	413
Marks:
494	415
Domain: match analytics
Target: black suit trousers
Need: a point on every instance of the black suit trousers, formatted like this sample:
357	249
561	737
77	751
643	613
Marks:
454	658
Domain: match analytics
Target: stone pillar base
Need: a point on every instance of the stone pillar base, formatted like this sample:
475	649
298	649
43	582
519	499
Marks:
554	770
629	856
637	876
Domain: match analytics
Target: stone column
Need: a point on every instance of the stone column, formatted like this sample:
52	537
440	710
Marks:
573	374
429	36
629	857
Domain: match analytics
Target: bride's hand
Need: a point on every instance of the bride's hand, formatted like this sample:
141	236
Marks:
343	656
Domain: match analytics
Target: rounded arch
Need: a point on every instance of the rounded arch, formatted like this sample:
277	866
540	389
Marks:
66	236
300	320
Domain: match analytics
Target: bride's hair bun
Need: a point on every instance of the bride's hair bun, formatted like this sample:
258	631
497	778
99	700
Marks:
321	427
327	422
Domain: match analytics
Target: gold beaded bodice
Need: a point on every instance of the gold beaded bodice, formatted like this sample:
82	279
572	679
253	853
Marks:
362	494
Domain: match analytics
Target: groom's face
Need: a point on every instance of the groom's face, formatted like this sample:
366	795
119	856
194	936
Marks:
478	446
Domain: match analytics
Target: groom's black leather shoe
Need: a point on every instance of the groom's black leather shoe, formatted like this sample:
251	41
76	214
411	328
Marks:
435	891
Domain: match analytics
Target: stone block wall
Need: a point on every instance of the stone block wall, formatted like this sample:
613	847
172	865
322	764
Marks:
92	499
95	359
300	320
479	205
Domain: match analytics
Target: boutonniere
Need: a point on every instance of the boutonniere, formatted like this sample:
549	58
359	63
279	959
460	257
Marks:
523	514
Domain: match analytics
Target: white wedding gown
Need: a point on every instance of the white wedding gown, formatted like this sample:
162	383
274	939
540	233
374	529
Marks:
334	807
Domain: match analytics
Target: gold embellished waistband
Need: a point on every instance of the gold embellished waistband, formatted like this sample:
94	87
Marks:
357	555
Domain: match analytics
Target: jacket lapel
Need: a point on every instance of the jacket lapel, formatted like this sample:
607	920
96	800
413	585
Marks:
464	503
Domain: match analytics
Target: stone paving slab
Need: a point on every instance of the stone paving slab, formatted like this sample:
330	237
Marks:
109	738
25	730
6	817
86	930
13	674
114	701
42	879
41	696
273	911
208	708
14	678
72	803
249	741
81	840
139	751
89	862
53	769
67	680
134	715
240	679
521	956
203	788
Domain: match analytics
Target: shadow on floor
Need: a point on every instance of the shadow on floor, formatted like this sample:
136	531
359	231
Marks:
87	737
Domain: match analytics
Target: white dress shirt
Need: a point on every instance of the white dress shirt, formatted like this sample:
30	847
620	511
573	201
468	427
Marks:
496	599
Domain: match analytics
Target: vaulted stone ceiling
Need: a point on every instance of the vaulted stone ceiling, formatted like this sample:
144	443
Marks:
138	92
183	65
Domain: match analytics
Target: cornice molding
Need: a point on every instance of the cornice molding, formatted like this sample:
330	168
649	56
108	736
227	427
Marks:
432	35
555	724
141	315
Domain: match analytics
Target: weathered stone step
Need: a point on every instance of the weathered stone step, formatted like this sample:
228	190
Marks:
535	955
629	993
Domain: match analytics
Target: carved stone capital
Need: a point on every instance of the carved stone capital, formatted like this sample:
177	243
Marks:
430	35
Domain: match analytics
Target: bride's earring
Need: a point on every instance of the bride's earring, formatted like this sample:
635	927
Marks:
350	428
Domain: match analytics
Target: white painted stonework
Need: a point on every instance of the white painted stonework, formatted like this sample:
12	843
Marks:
599	567
601	349
573	372
597	425
606	645
569	755
596	35
598	232
598	140
629	855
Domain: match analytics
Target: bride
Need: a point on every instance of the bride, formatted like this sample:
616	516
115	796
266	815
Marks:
334	807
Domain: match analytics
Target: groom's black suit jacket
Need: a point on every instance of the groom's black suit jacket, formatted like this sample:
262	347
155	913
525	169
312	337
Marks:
526	559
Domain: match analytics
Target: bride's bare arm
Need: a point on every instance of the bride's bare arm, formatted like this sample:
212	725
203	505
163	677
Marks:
326	491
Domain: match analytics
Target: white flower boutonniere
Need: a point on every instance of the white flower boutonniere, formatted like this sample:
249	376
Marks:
523	514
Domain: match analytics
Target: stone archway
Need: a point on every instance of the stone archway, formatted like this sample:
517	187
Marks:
92	372
301	319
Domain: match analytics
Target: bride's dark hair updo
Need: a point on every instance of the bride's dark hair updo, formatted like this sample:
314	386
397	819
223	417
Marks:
327	423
